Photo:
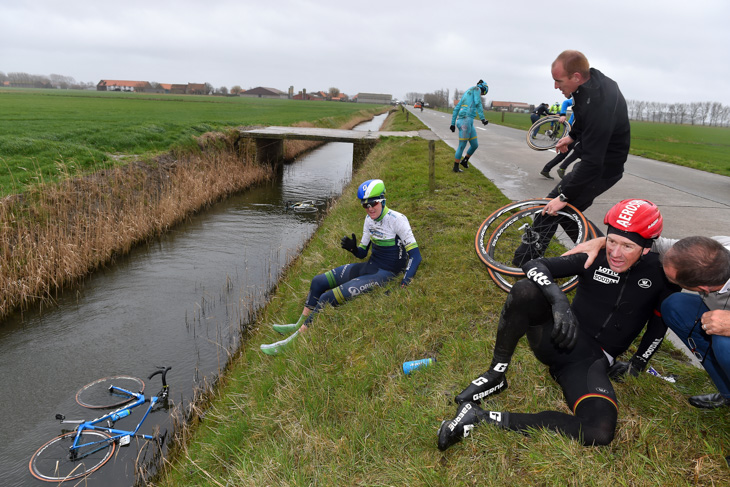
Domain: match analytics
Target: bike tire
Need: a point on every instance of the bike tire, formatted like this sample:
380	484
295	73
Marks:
499	248
51	462
97	395
496	218
545	137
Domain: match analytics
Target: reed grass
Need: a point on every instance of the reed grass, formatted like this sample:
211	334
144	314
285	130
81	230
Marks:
337	409
54	233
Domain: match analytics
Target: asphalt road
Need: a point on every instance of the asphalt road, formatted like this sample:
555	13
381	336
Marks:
692	202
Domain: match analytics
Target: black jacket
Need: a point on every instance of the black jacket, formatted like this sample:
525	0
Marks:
602	126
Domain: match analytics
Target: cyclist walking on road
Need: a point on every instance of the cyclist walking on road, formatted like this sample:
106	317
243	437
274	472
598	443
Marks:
617	295
463	118
394	250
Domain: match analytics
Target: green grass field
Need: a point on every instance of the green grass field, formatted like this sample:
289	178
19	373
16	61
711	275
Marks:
336	409
700	147
46	134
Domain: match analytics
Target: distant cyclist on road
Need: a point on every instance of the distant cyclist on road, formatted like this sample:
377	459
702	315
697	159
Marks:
463	118
394	250
617	295
561	157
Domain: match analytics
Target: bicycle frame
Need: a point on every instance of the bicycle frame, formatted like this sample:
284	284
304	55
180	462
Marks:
116	434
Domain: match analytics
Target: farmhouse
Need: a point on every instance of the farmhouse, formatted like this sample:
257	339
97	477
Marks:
122	85
263	92
510	106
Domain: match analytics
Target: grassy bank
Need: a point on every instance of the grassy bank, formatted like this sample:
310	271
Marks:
338	410
56	232
699	147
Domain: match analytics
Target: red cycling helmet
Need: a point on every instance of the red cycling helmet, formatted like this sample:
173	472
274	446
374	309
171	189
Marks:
637	216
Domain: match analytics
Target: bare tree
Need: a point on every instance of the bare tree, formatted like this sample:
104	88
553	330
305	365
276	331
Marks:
333	92
694	110
236	90
715	111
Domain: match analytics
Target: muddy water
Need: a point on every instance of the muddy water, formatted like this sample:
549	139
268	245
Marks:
178	301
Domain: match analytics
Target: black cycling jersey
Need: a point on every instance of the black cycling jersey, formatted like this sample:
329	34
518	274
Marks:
612	308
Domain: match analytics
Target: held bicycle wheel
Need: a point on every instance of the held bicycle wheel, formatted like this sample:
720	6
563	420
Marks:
53	463
527	234
99	395
496	218
545	133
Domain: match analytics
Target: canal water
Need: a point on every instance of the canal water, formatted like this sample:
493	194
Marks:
178	301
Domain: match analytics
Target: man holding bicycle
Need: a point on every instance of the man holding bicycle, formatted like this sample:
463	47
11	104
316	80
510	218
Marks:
617	297
602	127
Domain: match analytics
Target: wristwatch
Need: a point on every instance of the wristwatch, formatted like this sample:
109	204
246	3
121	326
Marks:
562	197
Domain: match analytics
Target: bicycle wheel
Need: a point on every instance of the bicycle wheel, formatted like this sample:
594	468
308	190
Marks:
496	218
52	461
545	133
526	235
98	395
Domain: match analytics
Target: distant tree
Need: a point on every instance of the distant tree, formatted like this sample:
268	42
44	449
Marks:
3	76
438	98
333	92
223	90
209	90
236	90
61	81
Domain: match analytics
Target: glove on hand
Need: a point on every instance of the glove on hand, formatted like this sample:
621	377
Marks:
485	122
349	244
565	326
452	128
619	369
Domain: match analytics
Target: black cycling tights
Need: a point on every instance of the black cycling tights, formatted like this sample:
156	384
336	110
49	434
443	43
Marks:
594	423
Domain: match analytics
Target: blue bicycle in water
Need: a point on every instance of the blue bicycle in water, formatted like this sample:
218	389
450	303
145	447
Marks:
91	444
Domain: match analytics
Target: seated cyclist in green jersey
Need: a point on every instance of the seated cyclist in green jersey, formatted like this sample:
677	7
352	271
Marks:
394	250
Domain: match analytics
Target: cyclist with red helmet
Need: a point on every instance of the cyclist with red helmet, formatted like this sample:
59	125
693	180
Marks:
618	296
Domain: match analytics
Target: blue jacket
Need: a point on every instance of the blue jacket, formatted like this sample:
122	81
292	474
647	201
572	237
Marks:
469	105
564	110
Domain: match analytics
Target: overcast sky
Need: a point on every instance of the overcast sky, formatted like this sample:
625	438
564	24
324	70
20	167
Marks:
665	51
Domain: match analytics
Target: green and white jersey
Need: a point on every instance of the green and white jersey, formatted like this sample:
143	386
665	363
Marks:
391	238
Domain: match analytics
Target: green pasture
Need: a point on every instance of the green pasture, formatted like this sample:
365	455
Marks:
45	134
337	410
697	146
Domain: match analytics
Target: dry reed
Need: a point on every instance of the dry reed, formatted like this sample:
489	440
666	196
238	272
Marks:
54	234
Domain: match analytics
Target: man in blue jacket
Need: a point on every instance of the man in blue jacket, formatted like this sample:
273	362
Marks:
463	117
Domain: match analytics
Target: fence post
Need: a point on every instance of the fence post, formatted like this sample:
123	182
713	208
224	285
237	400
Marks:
431	166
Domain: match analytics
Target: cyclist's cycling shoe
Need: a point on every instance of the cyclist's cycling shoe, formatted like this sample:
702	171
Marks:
451	432
488	384
465	162
456	167
285	329
546	174
280	346
561	172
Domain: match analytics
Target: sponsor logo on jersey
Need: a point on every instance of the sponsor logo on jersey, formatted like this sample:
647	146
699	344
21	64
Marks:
649	351
355	290
602	390
605	275
644	283
538	277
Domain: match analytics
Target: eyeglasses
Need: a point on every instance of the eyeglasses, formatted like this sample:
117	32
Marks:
692	344
370	204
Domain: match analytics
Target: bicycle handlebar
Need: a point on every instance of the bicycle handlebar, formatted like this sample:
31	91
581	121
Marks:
163	371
